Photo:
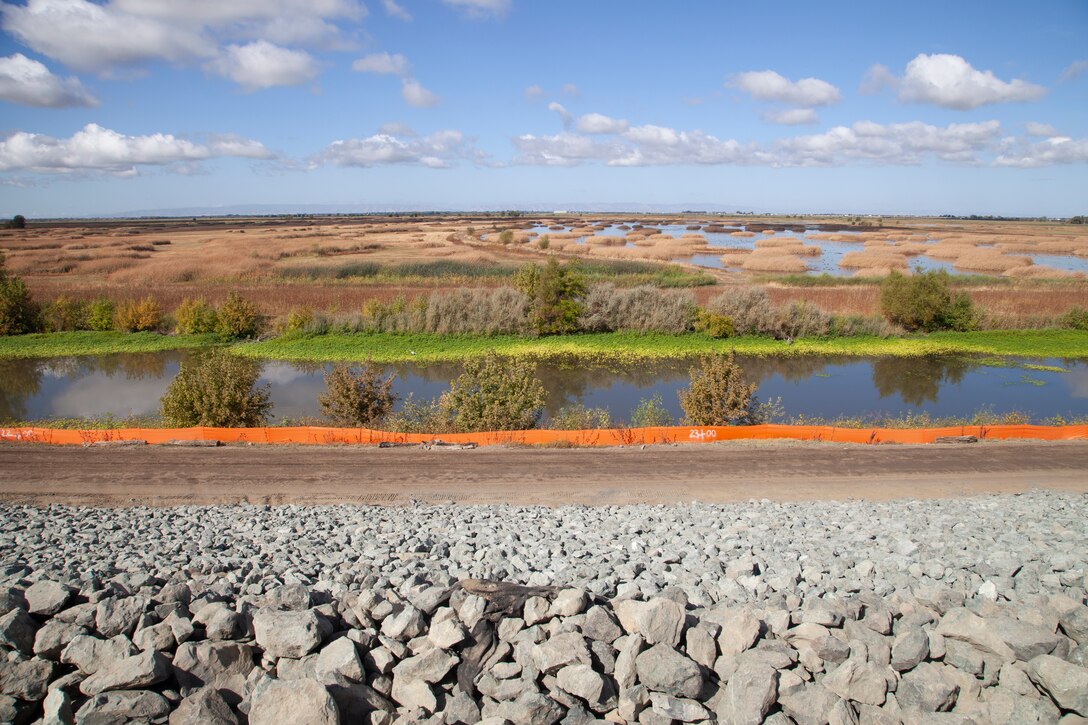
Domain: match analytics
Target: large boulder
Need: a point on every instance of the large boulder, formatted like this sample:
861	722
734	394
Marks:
659	620
223	666
287	633
662	669
138	671
298	702
1066	683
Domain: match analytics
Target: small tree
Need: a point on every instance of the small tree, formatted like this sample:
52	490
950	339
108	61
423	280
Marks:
495	393
718	394
100	314
19	313
216	389
650	413
357	395
238	317
195	317
557	293
924	301
138	315
65	314
18	222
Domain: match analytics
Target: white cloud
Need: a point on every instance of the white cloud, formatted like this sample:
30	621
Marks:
1074	70
382	64
97	38
263	65
480	9
569	89
791	117
26	81
1051	151
564	114
416	95
565	149
97	149
767	85
1034	128
599	123
395	10
534	93
897	143
438	150
950	81
877	78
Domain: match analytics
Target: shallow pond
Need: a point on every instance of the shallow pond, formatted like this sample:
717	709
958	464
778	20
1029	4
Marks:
828	387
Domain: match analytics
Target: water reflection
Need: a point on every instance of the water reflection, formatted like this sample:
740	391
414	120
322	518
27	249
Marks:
131	385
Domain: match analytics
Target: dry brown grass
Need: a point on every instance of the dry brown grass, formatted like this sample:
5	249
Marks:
773	260
872	258
988	259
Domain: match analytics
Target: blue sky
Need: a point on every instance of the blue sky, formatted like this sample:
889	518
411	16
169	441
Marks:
923	107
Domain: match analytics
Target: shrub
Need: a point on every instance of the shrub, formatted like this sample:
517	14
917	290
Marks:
216	389
924	301
801	319
498	311
642	309
100	314
138	315
749	308
544	242
18	312
1076	319
651	413
556	293
18	222
357	395
718	394
238	317
579	417
713	324
506	237
430	417
299	319
495	393
195	317
65	314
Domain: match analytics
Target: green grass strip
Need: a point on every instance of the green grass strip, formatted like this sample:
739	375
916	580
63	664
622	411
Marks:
620	347
63	344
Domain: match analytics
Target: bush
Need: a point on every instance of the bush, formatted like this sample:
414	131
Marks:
579	417
718	394
216	389
713	324
65	314
650	413
749	308
238	318
195	317
544	242
100	315
924	302
1075	319
18	222
495	393
357	395
18	312
556	293
138	315
432	417
506	237
498	311
299	319
642	309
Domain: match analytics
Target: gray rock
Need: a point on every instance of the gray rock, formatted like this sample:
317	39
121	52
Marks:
288	597
203	707
909	648
130	673
341	657
700	645
57	708
561	650
810	705
858	681
429	667
1026	641
287	633
568	603
89	654
659	620
17	631
1075	624
25	679
740	630
447	634
53	637
582	681
46	597
223	666
926	689
158	637
118	616
414	695
676	708
662	669
536	610
409	622
219	621
1067	684
965	626
299	702
600	625
749	695
114	707
531	708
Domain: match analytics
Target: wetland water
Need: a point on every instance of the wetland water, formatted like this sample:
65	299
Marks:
813	386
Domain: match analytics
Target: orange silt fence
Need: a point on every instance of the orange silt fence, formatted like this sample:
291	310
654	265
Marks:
313	435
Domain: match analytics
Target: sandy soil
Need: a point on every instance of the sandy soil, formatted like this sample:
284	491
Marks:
717	473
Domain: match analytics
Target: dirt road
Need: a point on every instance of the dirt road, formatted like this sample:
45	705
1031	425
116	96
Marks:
656	474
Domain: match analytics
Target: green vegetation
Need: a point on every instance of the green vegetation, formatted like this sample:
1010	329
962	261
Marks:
138	315
579	417
237	318
216	389
651	412
19	314
556	293
60	344
718	394
195	317
925	301
495	393
357	395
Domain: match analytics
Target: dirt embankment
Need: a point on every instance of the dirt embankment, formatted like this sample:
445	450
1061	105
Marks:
719	473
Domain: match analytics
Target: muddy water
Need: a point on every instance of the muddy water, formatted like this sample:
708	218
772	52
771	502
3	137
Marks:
829	387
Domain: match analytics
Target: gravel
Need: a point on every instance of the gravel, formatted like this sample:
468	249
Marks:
796	612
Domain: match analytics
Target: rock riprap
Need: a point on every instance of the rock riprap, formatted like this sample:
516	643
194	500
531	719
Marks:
960	610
